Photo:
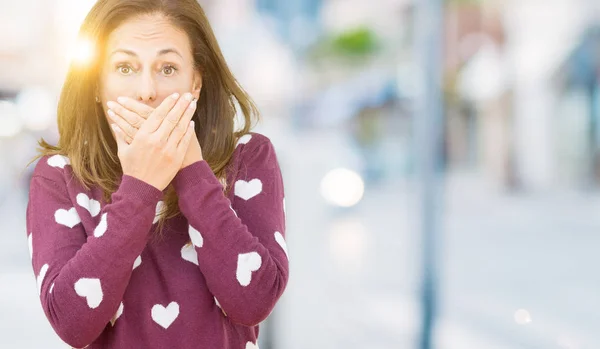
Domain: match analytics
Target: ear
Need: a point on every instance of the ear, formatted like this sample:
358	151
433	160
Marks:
197	86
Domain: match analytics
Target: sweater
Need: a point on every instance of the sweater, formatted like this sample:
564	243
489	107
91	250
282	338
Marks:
106	281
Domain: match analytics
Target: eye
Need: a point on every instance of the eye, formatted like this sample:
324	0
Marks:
169	70
124	69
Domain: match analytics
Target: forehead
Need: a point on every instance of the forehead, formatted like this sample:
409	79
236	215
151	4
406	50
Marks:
149	33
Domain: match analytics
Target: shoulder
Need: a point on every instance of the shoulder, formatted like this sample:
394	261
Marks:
53	167
255	148
251	140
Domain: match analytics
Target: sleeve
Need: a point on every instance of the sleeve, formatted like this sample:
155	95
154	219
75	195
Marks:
82	277
241	249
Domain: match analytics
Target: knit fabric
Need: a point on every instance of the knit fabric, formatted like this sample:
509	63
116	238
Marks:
106	281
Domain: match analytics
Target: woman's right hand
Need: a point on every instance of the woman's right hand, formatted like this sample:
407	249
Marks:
157	151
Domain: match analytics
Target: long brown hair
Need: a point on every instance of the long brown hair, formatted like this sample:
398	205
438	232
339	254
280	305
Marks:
85	137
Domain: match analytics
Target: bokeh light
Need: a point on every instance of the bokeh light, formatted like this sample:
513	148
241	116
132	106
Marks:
522	317
348	244
342	187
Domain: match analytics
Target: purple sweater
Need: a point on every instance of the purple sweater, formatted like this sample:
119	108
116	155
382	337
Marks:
105	282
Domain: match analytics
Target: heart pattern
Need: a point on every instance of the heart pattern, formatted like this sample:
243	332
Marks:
244	139
91	290
137	262
250	345
196	237
233	210
93	206
30	245
281	241
248	190
68	218
165	316
188	253
102	226
117	314
41	276
59	161
160	206
247	263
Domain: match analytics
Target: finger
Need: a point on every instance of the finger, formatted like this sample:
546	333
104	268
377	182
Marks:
187	138
131	117
173	117
127	139
159	114
119	137
127	129
137	107
181	128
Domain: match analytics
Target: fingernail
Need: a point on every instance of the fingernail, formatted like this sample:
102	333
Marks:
175	95
122	100
191	124
188	96
114	127
111	104
193	104
111	113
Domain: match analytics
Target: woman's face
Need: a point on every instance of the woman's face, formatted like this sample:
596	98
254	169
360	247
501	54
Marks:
147	59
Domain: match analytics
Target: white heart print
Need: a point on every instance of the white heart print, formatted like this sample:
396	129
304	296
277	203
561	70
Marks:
281	241
137	262
93	206
58	161
117	314
91	290
41	277
247	263
102	225
188	253
196	237
244	139
250	345
165	316
248	190
68	218
160	206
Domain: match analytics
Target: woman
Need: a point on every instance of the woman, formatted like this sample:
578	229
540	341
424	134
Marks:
152	224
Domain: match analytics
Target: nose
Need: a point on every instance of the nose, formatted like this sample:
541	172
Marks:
146	91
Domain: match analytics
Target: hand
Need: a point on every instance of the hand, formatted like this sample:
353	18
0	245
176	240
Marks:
157	149
130	114
193	153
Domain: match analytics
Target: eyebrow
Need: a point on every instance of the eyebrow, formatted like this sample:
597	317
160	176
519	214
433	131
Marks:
160	53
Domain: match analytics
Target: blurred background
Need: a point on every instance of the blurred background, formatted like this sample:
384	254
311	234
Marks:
507	234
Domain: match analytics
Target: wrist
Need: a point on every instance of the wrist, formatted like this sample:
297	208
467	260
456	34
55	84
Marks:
191	175
188	161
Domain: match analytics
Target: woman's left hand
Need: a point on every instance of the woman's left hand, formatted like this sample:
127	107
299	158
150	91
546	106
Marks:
127	115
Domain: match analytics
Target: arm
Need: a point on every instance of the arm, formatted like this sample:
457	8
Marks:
241	253
81	278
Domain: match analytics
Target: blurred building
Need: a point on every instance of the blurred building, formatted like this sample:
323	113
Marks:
577	82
